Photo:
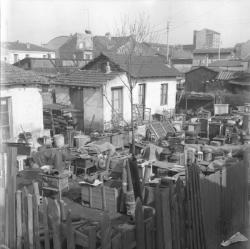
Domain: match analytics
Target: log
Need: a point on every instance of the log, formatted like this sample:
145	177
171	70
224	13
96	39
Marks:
36	222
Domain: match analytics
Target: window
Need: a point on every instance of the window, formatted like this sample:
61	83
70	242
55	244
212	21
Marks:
44	56
164	94
49	56
15	58
27	55
5	114
141	95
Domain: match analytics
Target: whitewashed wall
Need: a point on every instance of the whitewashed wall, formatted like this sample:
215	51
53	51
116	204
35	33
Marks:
107	98
8	55
27	109
153	95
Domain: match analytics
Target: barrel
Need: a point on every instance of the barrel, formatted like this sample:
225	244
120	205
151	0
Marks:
59	140
207	154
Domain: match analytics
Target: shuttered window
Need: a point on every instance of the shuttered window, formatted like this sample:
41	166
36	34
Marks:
164	94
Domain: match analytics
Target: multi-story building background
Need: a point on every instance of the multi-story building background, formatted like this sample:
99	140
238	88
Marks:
206	38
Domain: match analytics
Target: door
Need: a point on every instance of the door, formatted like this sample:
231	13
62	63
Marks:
117	104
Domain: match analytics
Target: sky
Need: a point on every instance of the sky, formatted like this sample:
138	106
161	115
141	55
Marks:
38	21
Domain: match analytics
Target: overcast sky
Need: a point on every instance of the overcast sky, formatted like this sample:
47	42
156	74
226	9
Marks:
38	21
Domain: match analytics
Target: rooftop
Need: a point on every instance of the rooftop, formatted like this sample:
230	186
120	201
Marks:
226	63
140	66
20	46
213	50
86	78
13	76
50	67
56	42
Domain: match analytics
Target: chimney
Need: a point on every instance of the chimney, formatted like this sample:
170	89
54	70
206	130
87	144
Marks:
107	68
28	45
108	35
88	32
194	38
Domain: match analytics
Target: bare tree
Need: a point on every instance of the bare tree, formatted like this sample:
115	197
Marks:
138	27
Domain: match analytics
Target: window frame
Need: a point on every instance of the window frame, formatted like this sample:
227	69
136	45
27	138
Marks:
164	94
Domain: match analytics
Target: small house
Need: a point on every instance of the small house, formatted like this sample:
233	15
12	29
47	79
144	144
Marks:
102	89
20	101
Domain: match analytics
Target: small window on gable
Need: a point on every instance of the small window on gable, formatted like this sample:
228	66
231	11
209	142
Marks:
81	45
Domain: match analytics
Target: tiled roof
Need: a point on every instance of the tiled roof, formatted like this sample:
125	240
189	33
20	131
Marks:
104	44
20	46
226	63
175	51
56	42
182	61
143	66
213	50
203	67
12	76
86	78
50	67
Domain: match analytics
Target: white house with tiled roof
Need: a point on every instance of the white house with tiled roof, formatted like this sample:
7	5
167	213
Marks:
12	52
101	88
21	104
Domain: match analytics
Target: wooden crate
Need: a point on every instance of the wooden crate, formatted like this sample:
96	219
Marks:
100	197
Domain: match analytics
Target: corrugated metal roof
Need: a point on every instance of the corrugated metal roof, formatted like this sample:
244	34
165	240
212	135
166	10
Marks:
226	75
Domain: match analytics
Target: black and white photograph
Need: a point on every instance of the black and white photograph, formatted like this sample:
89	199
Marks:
124	124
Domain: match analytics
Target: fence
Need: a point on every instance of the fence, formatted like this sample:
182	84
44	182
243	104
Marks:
225	201
196	213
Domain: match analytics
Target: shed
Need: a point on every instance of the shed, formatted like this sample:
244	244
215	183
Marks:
21	101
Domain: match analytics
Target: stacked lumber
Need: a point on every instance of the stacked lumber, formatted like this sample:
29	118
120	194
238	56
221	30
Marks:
56	120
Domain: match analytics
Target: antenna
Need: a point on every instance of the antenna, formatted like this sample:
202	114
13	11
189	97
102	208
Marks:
168	24
87	10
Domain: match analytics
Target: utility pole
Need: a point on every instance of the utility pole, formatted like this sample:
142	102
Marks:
219	49
168	22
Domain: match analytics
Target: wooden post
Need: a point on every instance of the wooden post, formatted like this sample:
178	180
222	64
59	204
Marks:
36	223
105	232
30	221
70	232
45	224
158	211
92	237
166	218
55	232
139	225
25	219
19	219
